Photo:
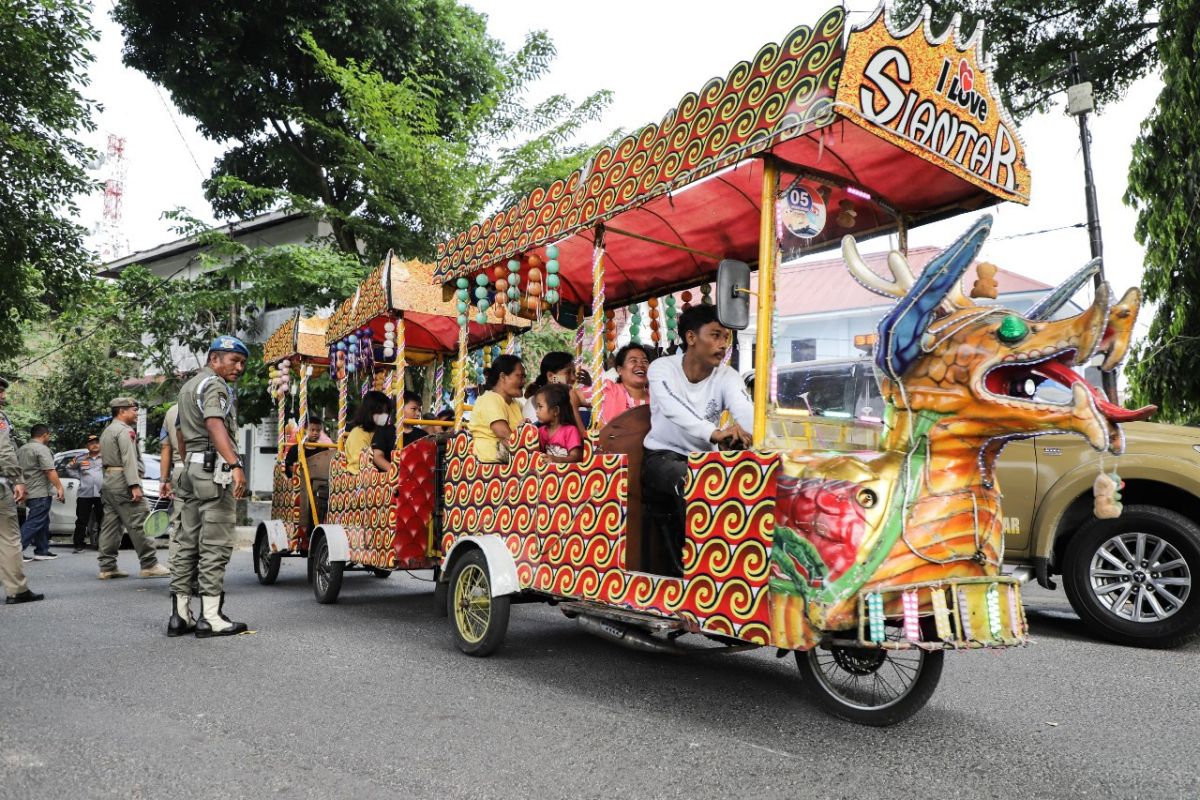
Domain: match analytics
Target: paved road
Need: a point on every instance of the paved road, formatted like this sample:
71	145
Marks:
368	698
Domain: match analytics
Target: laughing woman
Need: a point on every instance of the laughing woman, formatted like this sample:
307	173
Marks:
631	388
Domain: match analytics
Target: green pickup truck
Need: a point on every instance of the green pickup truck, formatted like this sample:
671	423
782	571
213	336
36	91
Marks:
1129	579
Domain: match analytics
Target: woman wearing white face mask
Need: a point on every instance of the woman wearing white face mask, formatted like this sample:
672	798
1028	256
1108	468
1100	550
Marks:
371	417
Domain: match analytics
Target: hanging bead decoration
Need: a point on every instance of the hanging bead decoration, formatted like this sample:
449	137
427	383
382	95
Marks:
941	614
964	616
912	615
655	335
875	617
686	297
500	288
514	286
672	321
610	336
635	324
552	278
1014	614
483	297
995	622
706	294
534	288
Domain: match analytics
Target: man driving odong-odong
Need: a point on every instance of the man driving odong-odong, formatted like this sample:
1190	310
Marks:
688	393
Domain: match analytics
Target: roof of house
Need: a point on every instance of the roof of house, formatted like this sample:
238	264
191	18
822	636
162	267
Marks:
238	228
815	287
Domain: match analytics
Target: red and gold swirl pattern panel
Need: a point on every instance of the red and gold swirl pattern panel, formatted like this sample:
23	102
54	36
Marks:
387	515
785	91
565	526
285	507
726	559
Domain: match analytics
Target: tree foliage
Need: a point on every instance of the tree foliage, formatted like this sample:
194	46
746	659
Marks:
73	397
42	111
1164	187
1031	42
384	116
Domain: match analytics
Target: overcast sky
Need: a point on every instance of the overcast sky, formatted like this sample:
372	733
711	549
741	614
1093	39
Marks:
649	54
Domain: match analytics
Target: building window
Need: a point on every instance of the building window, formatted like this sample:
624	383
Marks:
804	349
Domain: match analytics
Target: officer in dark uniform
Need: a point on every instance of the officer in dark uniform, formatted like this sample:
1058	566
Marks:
209	485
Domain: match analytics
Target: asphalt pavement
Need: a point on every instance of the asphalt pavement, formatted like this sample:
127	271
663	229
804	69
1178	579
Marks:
369	698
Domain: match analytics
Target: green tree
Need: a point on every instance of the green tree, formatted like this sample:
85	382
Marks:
42	110
380	113
1031	42
73	398
1164	187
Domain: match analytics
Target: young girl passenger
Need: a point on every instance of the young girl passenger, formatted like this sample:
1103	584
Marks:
560	437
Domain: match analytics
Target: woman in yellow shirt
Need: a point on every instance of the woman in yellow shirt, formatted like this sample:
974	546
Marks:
373	413
498	412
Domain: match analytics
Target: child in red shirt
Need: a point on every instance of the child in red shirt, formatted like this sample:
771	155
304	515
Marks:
560	438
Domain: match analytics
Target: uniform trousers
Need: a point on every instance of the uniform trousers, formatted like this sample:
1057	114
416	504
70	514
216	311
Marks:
11	573
122	514
206	533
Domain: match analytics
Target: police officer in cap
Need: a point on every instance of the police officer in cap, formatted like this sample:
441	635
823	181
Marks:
212	480
121	493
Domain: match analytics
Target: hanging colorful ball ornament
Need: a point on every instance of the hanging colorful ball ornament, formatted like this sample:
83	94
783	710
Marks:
514	286
672	321
706	294
635	324
551	296
610	331
389	340
686	297
655	336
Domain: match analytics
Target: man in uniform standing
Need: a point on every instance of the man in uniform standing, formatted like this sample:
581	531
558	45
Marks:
88	470
12	491
37	467
213	479
170	466
124	505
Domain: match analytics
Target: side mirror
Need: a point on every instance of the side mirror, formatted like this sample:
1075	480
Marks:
733	294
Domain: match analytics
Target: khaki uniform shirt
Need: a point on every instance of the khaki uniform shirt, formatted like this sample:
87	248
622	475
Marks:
35	458
205	396
170	431
119	448
10	468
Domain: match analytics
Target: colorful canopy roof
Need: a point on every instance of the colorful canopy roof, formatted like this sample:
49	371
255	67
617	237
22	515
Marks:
880	124
406	289
298	338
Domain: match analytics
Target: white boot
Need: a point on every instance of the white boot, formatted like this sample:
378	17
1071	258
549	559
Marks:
181	616
212	621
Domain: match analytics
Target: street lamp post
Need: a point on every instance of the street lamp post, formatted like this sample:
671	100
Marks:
1079	104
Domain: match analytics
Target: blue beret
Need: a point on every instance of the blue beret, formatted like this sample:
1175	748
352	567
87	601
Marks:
228	344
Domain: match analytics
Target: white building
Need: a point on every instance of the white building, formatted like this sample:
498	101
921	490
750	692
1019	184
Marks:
820	308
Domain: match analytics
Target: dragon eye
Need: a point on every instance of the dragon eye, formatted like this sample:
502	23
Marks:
1012	329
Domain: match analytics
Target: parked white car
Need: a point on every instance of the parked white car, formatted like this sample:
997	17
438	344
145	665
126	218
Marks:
62	515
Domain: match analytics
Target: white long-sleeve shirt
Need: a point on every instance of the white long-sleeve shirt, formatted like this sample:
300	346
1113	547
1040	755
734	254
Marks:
683	415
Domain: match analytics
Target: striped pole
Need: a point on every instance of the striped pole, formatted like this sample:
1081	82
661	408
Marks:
597	360
460	379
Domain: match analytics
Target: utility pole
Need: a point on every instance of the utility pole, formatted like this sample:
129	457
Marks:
1079	104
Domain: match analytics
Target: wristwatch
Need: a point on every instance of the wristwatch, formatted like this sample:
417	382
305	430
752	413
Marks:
237	465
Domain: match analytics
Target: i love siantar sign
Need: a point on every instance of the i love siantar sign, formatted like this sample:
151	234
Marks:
933	96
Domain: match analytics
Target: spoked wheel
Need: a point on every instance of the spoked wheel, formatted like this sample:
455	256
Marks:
327	575
266	563
478	620
871	686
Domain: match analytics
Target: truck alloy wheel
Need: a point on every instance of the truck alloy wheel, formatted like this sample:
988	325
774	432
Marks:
1132	579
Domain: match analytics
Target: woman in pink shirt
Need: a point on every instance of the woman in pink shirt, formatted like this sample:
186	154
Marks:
631	389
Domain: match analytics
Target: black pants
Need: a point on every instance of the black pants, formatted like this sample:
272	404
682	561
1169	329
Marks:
85	507
664	473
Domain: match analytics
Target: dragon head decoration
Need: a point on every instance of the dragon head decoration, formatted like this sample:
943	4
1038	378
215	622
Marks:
959	380
979	364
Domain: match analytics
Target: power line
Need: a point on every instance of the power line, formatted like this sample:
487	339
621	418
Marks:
1038	233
